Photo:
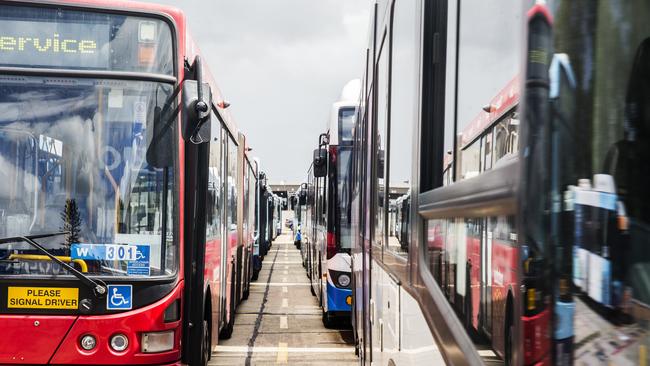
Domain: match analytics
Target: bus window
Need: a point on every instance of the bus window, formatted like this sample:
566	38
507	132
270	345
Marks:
470	163
488	58
403	89
231	230
599	106
382	120
486	150
214	208
506	140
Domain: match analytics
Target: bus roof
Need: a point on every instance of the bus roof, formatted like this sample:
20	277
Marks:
504	101
349	98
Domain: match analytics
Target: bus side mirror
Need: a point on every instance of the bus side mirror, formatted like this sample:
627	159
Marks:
320	163
302	198
196	114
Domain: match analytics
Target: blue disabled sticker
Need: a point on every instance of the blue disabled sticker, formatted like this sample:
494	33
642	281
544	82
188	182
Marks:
119	297
140	266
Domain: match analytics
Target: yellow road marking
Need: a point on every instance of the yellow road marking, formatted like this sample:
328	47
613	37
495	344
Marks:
643	355
283	353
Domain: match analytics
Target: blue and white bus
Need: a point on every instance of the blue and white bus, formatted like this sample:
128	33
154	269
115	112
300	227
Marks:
327	233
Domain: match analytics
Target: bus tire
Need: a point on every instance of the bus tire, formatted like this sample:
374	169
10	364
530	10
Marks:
226	332
508	334
206	346
327	319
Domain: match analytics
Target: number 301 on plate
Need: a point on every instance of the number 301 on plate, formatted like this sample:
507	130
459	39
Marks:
110	252
121	252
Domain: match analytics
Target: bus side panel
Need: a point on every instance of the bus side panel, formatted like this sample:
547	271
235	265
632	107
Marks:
376	312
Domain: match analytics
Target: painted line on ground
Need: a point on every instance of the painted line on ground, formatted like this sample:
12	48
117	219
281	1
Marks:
241	349
285	303
280	284
285	289
283	353
284	323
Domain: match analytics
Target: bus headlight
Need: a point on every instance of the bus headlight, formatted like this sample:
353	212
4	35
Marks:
344	280
88	342
153	342
119	342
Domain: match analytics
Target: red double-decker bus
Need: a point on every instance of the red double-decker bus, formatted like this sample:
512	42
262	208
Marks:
127	203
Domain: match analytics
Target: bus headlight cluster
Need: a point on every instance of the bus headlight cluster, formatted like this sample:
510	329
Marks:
344	280
119	342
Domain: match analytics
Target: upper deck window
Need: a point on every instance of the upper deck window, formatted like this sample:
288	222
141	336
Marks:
70	39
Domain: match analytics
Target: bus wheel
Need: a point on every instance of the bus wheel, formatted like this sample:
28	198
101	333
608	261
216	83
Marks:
226	332
509	344
327	319
206	352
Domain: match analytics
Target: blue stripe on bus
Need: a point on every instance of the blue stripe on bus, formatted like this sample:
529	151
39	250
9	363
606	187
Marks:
336	298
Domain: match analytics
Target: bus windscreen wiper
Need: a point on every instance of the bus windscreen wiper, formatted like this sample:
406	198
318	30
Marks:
98	288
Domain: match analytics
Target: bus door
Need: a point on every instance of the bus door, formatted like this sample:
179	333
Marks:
223	288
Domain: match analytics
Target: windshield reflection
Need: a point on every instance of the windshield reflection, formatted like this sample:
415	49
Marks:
73	157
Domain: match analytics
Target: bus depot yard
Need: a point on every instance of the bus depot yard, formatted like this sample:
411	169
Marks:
477	194
280	323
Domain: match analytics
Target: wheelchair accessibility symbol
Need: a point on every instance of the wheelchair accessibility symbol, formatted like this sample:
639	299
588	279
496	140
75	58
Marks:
119	297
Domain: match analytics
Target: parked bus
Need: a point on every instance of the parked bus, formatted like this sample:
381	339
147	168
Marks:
329	237
526	223
123	233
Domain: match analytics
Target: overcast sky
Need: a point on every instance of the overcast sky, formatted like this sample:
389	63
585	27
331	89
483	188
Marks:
281	64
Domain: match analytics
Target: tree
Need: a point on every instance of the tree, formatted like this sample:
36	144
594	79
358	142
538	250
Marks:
71	221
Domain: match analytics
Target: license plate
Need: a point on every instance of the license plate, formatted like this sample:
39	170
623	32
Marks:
42	298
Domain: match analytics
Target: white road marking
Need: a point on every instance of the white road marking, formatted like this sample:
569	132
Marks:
284	289
285	303
280	284
284	324
286	267
286	272
284	279
244	349
486	353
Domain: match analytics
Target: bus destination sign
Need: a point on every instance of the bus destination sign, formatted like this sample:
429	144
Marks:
54	44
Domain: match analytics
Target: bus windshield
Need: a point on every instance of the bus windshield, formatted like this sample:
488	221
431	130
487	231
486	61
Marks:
74	157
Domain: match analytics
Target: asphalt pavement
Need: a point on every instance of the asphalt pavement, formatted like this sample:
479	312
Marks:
280	323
